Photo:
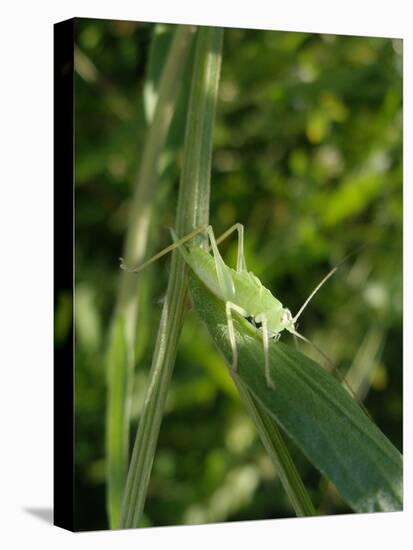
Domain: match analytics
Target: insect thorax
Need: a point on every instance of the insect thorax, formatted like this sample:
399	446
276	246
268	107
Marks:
280	319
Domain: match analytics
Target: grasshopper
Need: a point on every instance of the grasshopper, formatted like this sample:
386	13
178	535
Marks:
239	288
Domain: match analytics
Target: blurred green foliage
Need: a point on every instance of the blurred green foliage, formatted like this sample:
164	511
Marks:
308	157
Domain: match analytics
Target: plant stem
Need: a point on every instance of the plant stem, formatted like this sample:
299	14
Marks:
192	210
120	359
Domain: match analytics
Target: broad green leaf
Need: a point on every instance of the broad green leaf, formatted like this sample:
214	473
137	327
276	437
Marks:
315	411
278	452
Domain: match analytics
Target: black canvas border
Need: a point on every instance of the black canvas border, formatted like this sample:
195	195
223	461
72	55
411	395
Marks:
63	173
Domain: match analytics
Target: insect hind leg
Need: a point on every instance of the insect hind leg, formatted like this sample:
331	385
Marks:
241	263
177	242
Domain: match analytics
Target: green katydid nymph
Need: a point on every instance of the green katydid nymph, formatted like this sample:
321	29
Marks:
239	288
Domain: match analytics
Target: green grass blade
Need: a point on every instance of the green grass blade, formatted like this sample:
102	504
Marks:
314	410
273	442
192	210
120	359
117	425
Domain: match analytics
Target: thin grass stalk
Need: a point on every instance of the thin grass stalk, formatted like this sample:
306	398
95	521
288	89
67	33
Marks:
192	210
121	350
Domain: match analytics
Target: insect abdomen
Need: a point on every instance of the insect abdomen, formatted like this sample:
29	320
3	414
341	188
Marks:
249	293
203	265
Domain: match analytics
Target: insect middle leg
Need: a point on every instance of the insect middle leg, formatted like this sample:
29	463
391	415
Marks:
229	308
265	339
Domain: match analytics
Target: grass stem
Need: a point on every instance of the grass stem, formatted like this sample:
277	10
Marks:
192	210
120	358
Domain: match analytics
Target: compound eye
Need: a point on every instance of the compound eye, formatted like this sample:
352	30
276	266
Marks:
286	318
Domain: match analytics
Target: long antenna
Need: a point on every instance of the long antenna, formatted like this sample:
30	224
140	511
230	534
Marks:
317	288
340	377
301	337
